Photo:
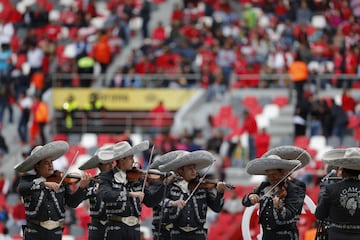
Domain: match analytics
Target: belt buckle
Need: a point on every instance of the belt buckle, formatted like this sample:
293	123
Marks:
130	221
50	224
168	227
188	229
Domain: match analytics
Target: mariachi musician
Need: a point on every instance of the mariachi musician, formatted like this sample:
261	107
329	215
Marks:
123	197
161	228
188	199
45	193
288	152
280	200
339	202
96	228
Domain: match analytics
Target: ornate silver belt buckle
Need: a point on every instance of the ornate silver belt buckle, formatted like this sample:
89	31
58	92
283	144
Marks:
50	224
130	221
188	229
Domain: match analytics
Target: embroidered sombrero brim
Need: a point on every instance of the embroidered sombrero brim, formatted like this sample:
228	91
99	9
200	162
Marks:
346	158
259	166
200	158
117	153
52	150
94	161
165	158
290	153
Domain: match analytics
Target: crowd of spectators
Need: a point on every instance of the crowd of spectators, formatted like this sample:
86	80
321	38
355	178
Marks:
211	44
231	43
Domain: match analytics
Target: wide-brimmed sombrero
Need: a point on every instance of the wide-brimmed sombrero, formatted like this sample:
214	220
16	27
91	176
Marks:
200	158
121	150
346	158
258	166
52	150
165	158
288	152
94	160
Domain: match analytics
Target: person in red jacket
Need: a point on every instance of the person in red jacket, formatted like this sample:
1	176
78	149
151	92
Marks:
250	127
348	102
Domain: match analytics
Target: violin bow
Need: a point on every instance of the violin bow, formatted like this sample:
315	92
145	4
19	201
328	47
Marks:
67	170
198	184
148	168
286	176
281	180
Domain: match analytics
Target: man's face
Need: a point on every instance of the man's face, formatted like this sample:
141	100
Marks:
105	166
274	175
188	172
45	168
126	163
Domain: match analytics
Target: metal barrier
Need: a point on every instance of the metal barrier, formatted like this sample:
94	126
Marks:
150	80
114	122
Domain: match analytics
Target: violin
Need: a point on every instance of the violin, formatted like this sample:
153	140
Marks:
69	179
136	174
281	192
207	184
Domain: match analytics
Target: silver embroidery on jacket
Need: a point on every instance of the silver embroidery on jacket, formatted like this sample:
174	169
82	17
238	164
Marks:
349	199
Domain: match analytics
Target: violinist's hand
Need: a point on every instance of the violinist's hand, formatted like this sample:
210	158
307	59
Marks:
178	203
220	187
84	181
254	198
52	185
277	203
139	195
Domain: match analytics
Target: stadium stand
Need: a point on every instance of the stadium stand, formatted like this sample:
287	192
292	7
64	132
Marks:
234	53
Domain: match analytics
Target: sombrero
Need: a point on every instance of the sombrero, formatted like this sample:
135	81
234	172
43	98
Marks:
121	150
200	158
52	150
258	166
94	160
290	153
167	157
346	158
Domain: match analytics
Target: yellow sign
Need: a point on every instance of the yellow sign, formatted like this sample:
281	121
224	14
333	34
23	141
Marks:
125	99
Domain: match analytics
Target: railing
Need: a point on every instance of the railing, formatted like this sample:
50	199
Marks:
320	81
114	122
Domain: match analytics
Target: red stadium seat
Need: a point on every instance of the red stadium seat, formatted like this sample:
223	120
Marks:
249	102
225	111
302	142
281	101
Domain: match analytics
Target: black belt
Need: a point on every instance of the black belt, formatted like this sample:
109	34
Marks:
130	220
98	221
48	224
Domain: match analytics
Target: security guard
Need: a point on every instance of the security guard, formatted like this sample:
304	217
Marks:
45	199
69	107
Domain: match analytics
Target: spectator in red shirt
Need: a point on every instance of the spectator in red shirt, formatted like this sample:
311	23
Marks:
159	33
262	142
158	117
348	102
